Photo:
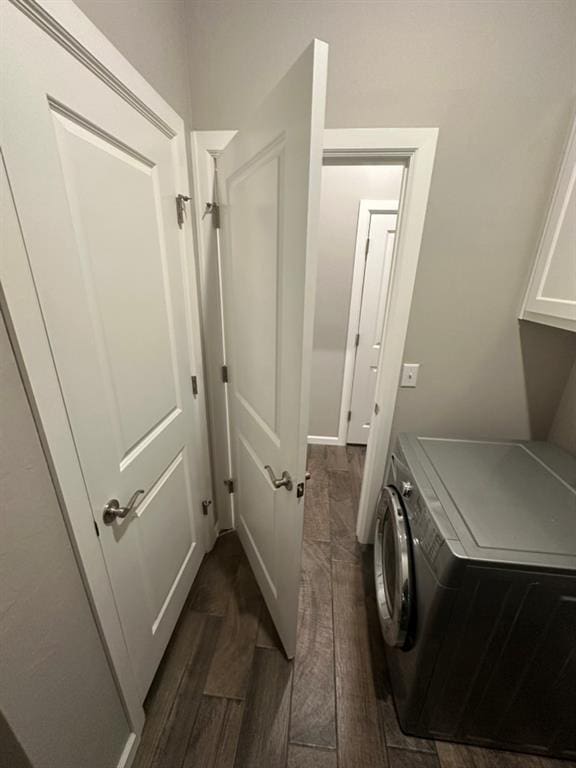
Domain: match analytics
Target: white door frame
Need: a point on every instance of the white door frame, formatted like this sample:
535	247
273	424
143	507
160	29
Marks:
416	147
69	27
365	210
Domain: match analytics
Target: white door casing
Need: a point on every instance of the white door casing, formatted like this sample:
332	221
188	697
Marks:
94	174
373	266
269	179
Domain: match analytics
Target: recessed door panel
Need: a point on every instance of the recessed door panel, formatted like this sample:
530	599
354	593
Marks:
256	268
115	209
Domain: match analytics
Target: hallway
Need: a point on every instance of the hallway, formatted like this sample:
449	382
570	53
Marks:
225	696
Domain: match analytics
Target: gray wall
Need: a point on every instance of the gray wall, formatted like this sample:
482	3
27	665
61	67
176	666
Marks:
343	187
499	79
563	431
152	35
58	702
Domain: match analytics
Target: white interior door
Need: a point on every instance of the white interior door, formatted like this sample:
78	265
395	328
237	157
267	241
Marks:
269	180
94	173
379	251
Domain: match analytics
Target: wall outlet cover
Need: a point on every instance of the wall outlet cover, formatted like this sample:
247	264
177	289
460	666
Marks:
409	374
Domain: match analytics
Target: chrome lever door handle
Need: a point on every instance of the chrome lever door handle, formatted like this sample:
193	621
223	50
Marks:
112	510
283	482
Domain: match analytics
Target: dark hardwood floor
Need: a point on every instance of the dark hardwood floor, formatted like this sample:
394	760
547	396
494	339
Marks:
226	697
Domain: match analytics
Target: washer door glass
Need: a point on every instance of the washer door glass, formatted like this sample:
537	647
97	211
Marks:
393	569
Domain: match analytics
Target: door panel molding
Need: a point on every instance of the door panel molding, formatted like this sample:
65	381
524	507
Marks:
56	18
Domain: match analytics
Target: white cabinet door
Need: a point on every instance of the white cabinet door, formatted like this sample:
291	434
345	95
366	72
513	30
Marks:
551	297
269	182
94	174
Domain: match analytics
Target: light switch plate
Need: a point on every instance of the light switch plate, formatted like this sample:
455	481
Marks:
409	374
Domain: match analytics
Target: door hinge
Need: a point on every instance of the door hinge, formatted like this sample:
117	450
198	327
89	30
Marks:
96	529
214	210
348	418
225	374
357	340
367	246
181	208
205	504
230	485
194	385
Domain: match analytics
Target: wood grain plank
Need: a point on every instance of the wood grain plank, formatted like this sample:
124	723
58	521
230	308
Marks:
311	757
313	715
453	755
214	737
264	734
336	458
267	635
173	741
347	550
406	758
360	743
214	582
229	672
160	699
342	514
355	456
316	503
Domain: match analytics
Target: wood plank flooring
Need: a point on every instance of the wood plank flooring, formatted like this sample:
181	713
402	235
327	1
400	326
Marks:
226	697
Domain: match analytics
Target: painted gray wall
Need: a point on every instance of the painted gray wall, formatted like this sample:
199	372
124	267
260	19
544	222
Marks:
563	431
343	187
152	35
59	705
499	79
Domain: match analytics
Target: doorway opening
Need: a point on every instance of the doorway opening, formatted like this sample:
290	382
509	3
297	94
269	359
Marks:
359	209
413	151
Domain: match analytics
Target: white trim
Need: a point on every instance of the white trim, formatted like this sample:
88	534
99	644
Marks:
321	440
417	148
365	210
69	27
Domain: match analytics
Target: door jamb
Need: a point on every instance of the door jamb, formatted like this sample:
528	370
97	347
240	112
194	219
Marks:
69	27
417	148
365	210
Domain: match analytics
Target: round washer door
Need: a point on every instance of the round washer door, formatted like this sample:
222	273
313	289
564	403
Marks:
393	569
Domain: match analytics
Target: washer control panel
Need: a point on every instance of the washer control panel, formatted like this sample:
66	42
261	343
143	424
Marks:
424	530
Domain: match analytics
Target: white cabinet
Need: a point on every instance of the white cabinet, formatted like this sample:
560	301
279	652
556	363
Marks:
551	295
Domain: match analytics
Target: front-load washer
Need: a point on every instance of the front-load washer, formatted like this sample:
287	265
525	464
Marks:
475	567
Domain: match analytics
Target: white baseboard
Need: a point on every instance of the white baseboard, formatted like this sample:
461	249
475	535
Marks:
129	752
322	440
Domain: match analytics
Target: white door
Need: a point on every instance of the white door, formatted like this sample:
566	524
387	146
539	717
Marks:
269	182
94	173
379	250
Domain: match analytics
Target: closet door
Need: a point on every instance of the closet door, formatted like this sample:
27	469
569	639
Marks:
269	182
95	173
